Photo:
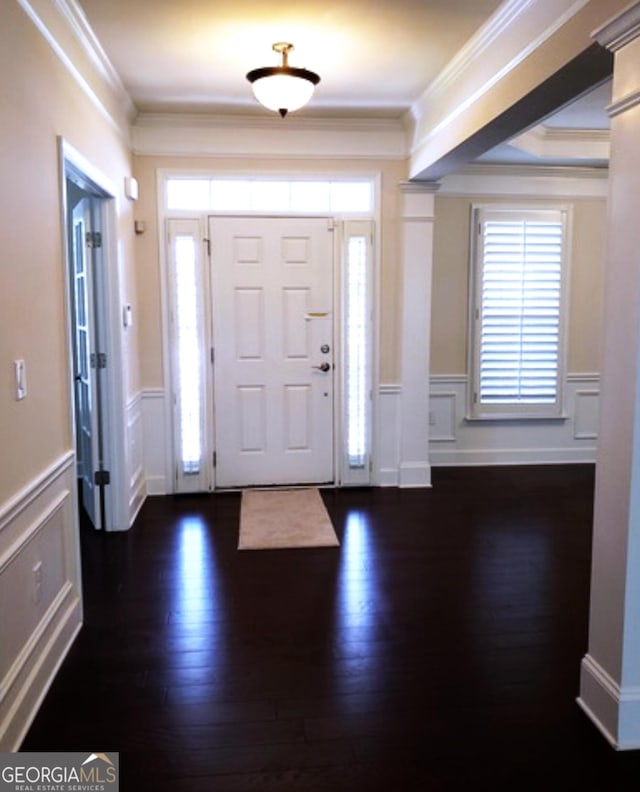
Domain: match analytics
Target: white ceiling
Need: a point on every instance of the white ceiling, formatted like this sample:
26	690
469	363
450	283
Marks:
375	58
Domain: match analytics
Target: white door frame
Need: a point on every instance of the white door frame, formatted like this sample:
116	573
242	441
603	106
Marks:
164	214
75	167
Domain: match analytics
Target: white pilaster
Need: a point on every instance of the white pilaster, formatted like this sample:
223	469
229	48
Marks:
610	678
417	216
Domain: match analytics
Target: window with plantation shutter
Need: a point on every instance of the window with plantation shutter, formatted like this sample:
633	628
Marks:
518	312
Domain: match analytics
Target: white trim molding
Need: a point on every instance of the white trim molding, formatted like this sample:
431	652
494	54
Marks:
455	440
135	457
40	576
388	435
165	134
573	144
416	258
614	710
621	30
530	181
64	27
154	435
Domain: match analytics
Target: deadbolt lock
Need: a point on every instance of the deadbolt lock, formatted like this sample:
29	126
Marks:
325	348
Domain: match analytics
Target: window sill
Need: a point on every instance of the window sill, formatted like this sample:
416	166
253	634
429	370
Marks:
501	417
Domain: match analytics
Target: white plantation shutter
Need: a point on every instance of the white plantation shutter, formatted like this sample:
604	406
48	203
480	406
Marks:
518	313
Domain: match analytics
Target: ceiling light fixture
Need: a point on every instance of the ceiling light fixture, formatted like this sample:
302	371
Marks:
283	88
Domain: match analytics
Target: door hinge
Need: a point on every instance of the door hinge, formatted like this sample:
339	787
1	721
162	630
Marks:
213	355
98	360
101	478
93	239
207	242
475	398
215	458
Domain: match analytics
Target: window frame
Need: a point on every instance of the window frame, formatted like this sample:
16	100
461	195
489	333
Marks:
483	411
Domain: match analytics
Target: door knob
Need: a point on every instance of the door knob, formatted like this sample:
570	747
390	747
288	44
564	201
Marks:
322	367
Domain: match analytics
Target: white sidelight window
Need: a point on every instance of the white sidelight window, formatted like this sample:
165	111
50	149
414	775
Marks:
188	354
518	299
357	347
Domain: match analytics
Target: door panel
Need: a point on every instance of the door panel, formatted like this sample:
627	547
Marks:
86	382
272	313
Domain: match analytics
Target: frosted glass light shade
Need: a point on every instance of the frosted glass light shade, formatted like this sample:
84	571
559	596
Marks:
280	92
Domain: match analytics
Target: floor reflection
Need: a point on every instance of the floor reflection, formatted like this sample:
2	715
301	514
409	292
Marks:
198	608
359	625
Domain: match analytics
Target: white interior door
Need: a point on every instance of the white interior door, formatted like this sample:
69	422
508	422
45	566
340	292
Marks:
85	362
272	301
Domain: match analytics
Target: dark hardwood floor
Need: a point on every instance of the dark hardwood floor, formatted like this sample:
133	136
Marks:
438	648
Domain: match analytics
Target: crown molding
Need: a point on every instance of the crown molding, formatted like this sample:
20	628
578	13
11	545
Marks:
489	36
546	171
167	134
486	36
60	23
418	186
78	23
564	143
621	29
527	182
227	120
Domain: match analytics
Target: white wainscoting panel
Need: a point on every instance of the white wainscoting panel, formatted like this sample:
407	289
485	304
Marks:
586	414
154	431
458	441
40	578
387	472
135	458
442	416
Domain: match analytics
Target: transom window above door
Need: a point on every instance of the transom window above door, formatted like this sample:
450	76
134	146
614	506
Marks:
313	196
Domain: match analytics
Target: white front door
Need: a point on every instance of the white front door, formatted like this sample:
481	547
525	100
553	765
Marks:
272	305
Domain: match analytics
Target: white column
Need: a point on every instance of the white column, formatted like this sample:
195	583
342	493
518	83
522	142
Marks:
417	216
610	675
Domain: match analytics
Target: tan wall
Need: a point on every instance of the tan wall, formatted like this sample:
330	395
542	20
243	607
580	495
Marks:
147	253
39	101
451	284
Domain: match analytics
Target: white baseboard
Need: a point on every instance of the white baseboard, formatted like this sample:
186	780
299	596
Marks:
511	456
615	711
387	477
416	474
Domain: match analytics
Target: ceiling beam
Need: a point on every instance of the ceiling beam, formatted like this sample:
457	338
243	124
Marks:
584	72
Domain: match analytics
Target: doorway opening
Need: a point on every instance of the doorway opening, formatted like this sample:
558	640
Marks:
95	383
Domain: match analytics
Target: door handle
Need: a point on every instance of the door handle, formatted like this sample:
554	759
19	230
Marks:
322	367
